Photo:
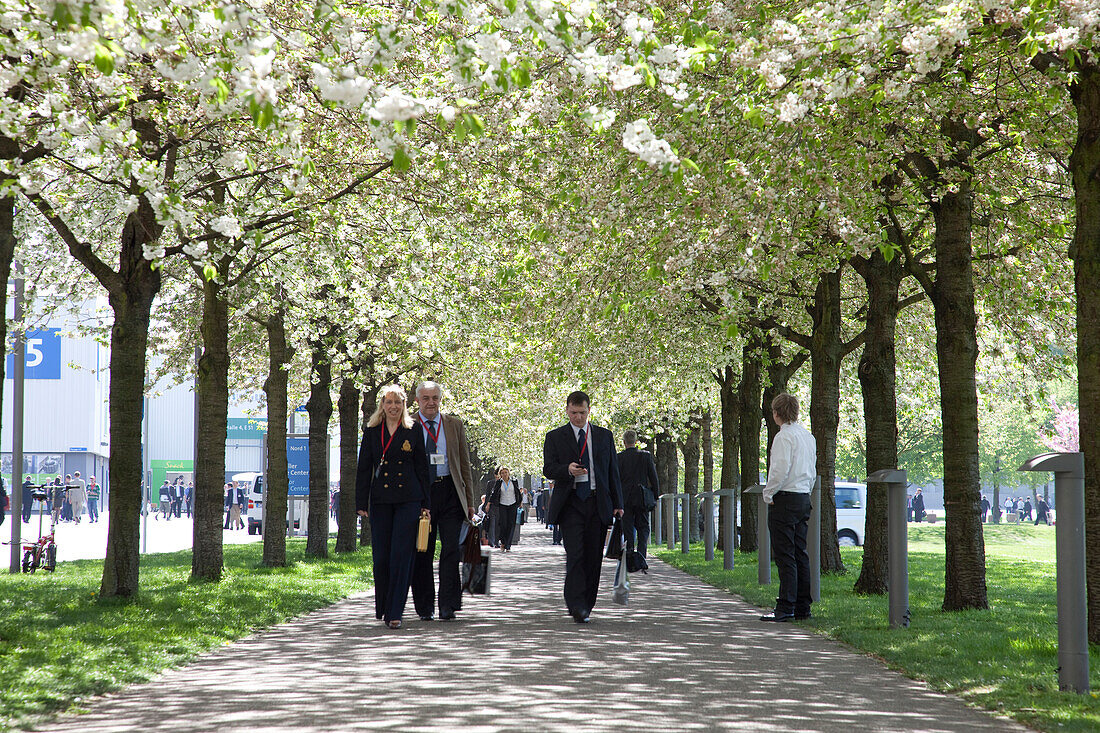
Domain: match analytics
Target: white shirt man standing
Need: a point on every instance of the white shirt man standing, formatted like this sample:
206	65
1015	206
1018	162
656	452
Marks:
791	476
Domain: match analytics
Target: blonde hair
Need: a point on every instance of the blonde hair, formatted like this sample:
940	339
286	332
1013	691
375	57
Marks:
378	415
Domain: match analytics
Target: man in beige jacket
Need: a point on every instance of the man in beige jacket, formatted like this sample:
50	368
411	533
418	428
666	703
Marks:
452	501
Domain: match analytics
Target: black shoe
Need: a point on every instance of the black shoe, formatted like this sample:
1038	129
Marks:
777	616
450	616
581	617
427	617
803	616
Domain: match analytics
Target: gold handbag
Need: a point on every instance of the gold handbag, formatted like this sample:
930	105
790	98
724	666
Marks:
422	531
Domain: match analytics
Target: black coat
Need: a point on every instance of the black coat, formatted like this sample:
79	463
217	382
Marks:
560	449
495	492
403	476
637	469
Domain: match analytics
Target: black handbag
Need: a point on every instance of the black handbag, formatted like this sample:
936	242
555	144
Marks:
615	544
635	561
649	499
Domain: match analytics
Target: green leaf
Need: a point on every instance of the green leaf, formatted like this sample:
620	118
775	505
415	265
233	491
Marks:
209	272
221	89
401	159
63	16
104	59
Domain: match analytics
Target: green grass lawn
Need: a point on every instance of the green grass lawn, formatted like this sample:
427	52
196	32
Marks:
1004	658
59	644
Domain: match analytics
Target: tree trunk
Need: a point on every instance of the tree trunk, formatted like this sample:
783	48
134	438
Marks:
213	406
132	301
319	407
278	480
1084	165
349	460
878	382
779	374
957	351
7	256
690	449
730	477
667	470
748	400
370	402
826	352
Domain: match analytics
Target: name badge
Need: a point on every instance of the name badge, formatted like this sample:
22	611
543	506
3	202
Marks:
583	479
437	459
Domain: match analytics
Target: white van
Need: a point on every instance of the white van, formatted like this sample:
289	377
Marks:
851	512
254	490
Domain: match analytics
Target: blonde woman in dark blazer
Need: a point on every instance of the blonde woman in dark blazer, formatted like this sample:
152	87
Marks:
391	489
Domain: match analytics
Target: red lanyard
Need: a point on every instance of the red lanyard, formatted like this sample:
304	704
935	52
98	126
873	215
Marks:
435	435
382	440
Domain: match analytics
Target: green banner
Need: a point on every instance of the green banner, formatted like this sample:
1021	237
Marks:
246	428
162	469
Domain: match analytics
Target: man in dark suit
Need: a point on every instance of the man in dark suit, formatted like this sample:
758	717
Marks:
580	459
638	474
452	501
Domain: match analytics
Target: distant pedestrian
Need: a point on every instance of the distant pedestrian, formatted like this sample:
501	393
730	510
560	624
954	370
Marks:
909	507
189	497
1026	510
93	500
918	506
1042	512
242	503
505	495
57	496
638	474
28	498
985	505
77	495
66	507
165	501
3	500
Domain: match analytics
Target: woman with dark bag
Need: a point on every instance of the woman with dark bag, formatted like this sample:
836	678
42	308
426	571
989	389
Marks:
506	497
391	489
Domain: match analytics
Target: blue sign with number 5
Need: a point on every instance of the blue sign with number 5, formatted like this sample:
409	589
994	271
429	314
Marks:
43	357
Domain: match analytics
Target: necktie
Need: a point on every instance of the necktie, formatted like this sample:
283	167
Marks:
583	489
431	450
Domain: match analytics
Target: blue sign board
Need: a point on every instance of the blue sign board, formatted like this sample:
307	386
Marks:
43	355
297	463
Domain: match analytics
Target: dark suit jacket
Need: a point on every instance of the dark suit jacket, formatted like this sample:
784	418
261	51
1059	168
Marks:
404	477
637	469
560	449
495	492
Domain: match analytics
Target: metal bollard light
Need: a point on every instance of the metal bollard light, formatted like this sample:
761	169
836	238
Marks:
685	523
813	540
1069	542
897	543
708	525
658	523
670	520
730	497
763	537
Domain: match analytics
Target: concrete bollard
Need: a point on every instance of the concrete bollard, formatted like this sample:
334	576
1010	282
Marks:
1069	544
685	523
897	543
763	537
670	519
708	524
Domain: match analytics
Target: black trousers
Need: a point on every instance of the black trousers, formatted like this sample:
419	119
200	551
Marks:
506	526
393	545
636	527
447	518
583	533
788	519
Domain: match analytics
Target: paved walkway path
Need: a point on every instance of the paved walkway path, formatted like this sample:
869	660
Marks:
682	657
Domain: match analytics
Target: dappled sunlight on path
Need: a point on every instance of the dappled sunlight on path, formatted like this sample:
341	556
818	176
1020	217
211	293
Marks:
682	656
